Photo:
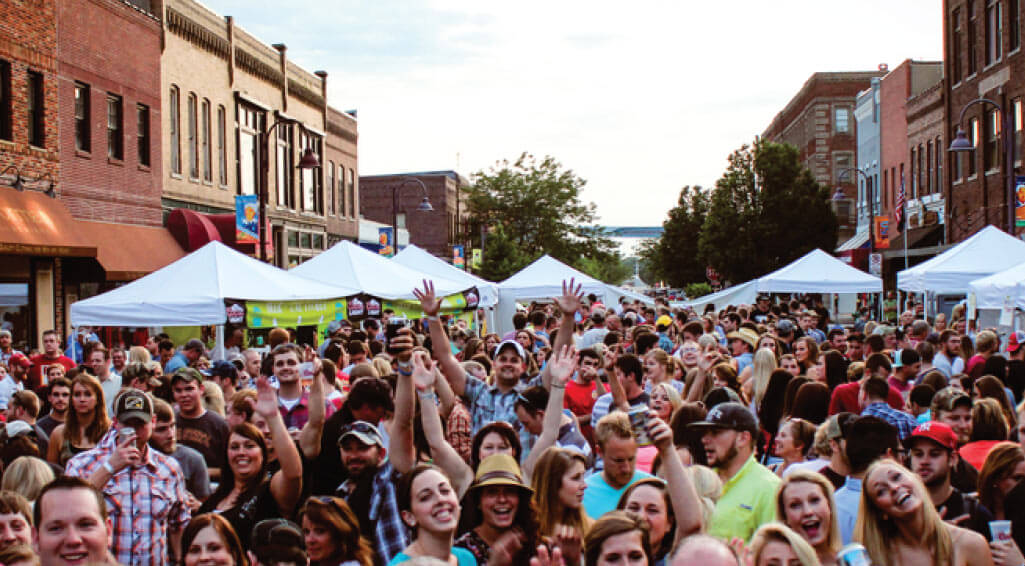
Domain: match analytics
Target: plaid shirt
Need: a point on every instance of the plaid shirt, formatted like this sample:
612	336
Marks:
143	503
460	430
300	413
390	533
488	404
903	422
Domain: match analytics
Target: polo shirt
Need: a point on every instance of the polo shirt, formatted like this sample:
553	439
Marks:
748	501
600	497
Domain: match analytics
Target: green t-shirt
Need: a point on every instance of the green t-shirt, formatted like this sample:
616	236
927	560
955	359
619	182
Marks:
748	501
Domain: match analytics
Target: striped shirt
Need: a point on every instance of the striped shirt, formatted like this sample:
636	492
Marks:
143	502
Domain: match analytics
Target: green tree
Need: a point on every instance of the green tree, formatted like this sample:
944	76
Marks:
537	206
501	256
765	211
675	257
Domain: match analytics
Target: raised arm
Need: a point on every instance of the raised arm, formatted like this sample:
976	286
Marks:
401	450
309	437
562	364
445	456
705	363
569	304
286	484
431	305
619	399
682	495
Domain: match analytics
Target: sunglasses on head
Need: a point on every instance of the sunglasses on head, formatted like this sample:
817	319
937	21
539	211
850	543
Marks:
360	427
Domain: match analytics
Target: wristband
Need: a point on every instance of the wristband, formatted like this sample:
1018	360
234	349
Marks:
404	372
557	386
106	466
434	318
425	395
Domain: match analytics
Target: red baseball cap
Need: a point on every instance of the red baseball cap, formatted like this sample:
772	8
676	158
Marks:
20	359
1015	341
937	432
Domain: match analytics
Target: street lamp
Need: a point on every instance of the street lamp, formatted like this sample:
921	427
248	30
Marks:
871	203
424	206
309	160
961	143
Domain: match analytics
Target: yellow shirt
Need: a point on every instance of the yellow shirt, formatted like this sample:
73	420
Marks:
748	500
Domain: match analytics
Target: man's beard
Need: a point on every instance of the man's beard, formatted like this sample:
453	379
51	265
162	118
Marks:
937	479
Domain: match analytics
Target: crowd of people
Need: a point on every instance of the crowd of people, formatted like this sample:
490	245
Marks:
592	434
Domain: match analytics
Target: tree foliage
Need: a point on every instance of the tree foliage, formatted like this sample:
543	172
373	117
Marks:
674	257
766	211
532	207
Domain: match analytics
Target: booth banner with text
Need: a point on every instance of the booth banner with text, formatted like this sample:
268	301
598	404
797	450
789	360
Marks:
247	219
882	233
467	301
292	314
1019	201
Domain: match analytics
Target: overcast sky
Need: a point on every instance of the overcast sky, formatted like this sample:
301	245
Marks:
637	98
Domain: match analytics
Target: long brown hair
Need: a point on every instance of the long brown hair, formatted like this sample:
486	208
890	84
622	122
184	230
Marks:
101	422
223	529
335	515
546	482
1000	463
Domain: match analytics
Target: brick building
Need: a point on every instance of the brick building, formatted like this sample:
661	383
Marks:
435	231
108	68
224	93
982	58
819	121
927	144
38	231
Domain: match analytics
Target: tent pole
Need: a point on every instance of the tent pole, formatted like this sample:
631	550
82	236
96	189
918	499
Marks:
218	352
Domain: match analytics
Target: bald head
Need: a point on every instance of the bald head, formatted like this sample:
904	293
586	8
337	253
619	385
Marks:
704	550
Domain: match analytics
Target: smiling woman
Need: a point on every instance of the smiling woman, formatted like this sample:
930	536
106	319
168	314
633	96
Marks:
429	506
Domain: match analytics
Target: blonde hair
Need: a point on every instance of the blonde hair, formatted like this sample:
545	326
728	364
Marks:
674	396
708	484
662	358
139	354
876	531
778	532
833	542
762	367
986	341
213	398
26	476
613	424
382	365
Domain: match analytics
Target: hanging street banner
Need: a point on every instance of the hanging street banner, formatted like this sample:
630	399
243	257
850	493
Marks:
476	258
247	219
1019	201
458	257
882	233
386	239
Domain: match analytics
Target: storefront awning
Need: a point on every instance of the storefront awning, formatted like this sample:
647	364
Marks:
32	223
920	241
855	242
127	251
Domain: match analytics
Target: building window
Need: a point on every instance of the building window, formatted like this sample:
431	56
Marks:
994	37
352	193
284	166
991	153
222	150
938	156
311	188
5	100
115	127
193	136
842	163
919	188
83	140
250	122
973	137
341	190
330	187
929	182
956	159
955	45
842	120
175	127
142	133
36	110
1017	121
1013	24
208	174
972	25
914	174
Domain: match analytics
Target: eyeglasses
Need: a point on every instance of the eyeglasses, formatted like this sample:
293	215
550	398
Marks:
360	427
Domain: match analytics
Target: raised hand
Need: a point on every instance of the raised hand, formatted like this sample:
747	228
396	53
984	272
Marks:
506	547
572	297
659	432
266	398
567	539
543	558
562	365
429	303
423	372
126	454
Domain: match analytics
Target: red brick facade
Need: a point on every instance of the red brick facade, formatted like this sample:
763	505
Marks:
980	60
110	49
434	231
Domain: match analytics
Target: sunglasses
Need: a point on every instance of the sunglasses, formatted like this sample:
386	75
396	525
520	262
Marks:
360	427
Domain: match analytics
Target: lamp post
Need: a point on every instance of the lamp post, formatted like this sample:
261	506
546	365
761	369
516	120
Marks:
309	160
871	203
424	206
961	143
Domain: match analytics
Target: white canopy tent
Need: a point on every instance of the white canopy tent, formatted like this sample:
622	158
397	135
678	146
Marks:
191	291
988	251
348	265
743	294
818	272
990	292
543	280
421	260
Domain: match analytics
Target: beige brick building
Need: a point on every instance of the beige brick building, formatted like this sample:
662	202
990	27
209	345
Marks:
223	92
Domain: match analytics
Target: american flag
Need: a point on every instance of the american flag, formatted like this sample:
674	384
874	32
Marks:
898	213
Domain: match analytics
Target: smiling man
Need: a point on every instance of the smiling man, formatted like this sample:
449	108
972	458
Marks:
71	524
198	428
749	489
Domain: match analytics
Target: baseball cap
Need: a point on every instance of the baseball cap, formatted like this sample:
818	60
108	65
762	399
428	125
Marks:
278	541
20	359
333	326
362	431
133	404
784	326
905	357
1015	340
836	425
664	320
948	398
730	415
764	297
223	369
187	374
938	432
511	344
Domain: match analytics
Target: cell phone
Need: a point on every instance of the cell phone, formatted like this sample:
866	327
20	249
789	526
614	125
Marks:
124	433
391	330
639	422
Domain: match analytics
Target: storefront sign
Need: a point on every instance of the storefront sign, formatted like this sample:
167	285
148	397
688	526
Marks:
247	219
